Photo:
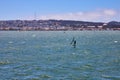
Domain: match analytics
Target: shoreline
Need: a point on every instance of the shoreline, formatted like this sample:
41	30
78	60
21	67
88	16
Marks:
77	29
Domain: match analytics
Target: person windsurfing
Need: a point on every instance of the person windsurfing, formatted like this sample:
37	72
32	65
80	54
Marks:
73	42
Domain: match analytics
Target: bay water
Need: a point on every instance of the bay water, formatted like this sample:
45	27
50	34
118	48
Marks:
48	55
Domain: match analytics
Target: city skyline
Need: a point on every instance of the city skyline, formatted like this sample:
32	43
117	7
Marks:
81	10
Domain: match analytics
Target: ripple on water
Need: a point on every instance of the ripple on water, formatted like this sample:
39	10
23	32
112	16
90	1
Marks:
111	77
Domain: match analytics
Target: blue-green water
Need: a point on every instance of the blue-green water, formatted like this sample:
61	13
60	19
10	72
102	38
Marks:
48	55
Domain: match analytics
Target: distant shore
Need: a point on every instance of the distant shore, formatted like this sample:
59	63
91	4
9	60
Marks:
76	29
57	25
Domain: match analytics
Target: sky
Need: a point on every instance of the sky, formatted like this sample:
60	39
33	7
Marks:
81	10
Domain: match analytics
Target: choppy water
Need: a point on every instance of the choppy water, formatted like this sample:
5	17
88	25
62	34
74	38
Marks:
48	55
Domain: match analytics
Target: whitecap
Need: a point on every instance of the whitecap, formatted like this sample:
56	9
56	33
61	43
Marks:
23	42
10	42
73	53
115	41
33	35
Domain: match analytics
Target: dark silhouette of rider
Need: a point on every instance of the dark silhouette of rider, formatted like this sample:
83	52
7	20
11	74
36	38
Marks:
73	42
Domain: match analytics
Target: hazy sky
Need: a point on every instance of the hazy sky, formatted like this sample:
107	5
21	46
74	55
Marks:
85	10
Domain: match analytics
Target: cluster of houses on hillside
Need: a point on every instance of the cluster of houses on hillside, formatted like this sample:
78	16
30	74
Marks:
46	25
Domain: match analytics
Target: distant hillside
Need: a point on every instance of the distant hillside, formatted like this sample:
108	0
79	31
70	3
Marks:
43	23
53	24
113	24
